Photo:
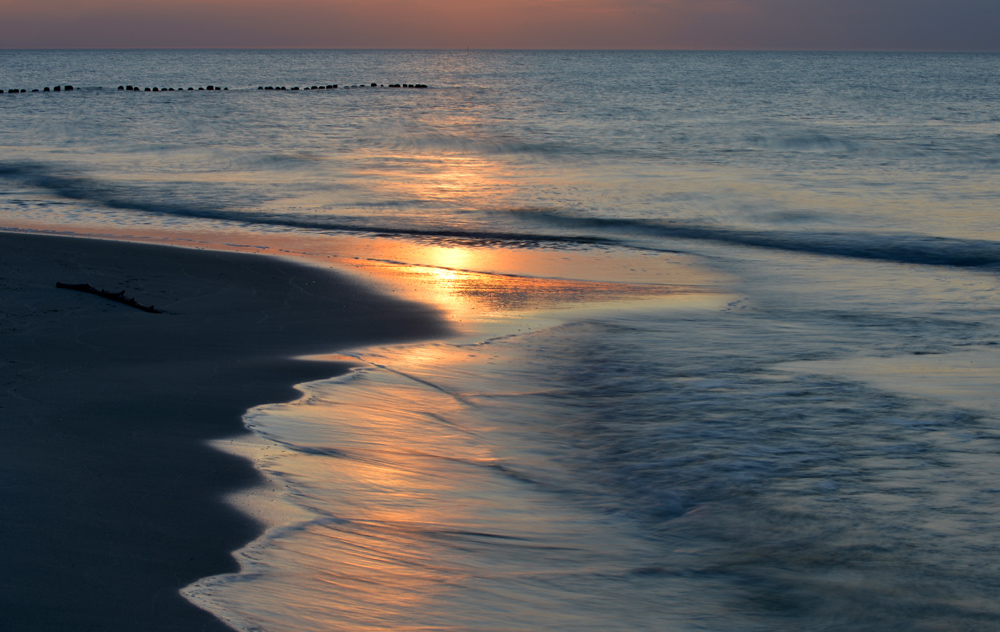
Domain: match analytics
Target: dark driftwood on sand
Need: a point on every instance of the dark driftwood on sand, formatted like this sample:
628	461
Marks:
114	296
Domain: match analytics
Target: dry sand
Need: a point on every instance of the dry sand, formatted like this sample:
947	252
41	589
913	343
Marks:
110	501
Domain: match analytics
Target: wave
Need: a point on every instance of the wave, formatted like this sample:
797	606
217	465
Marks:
135	198
809	141
485	146
896	247
531	227
85	189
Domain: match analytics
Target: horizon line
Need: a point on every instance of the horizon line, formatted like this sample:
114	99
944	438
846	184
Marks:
520	50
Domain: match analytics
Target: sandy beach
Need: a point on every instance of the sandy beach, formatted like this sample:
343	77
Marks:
112	499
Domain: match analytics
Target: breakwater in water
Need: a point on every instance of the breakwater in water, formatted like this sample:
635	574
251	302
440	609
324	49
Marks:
213	88
45	89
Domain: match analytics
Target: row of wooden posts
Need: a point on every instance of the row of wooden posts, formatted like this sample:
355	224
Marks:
55	89
131	88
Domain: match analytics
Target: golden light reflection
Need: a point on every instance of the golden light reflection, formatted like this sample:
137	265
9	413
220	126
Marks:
449	179
465	295
472	282
419	509
468	282
453	259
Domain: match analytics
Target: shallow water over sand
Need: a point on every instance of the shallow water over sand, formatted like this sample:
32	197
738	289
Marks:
630	470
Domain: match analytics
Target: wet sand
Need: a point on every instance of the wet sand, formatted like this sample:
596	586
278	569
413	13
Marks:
111	499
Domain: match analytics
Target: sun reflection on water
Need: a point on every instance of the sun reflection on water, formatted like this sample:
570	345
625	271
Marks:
427	512
450	180
467	281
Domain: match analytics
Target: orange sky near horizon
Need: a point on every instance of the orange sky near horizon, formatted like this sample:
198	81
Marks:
491	24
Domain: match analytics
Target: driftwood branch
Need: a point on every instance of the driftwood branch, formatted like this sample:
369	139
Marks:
114	296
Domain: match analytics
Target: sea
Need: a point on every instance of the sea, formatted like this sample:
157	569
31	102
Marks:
726	350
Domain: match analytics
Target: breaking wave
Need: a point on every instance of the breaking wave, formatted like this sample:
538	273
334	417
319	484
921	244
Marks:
527	227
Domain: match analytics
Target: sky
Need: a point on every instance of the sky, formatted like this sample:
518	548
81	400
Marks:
928	25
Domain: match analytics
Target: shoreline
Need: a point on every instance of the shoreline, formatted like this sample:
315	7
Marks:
114	500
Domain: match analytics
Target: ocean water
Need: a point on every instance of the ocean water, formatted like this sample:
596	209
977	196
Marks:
727	335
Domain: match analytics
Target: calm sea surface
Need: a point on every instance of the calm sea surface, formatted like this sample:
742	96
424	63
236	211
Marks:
728	324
